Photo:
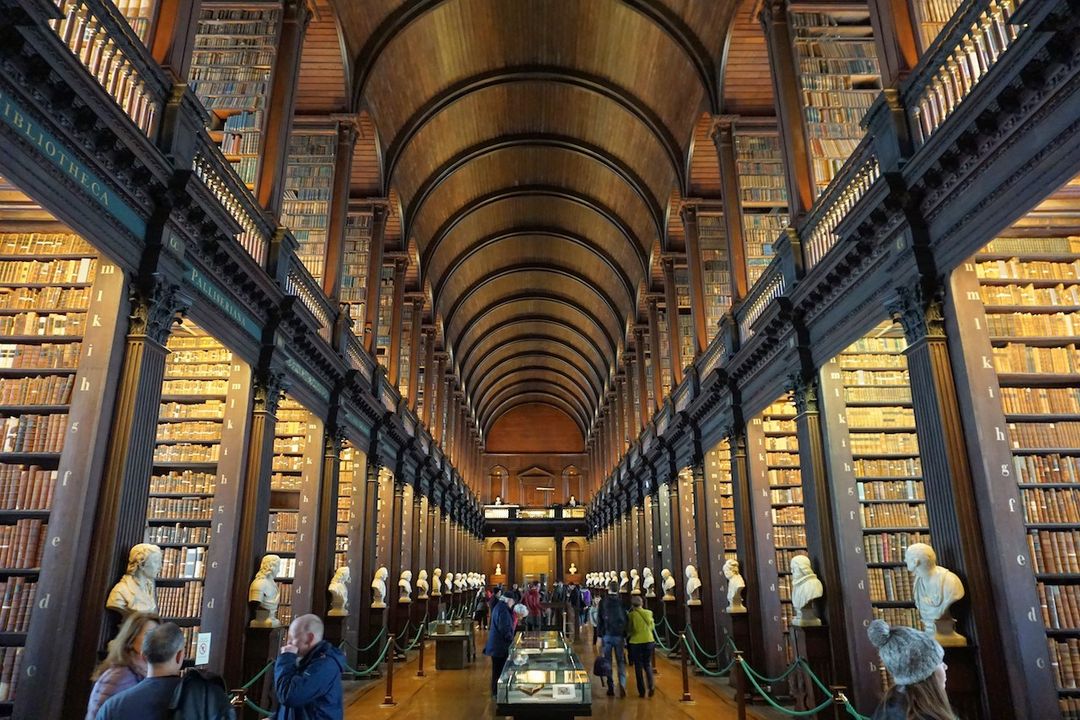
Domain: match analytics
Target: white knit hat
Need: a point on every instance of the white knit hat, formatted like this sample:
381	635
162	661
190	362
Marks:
909	655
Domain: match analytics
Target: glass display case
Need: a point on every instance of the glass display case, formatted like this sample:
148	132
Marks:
543	678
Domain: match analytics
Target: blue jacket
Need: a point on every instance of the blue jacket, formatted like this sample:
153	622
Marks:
500	631
309	688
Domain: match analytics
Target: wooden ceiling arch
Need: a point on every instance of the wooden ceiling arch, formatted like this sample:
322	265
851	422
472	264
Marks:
531	398
544	385
537	348
511	375
534	362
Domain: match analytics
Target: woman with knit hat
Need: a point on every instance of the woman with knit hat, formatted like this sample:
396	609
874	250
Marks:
915	661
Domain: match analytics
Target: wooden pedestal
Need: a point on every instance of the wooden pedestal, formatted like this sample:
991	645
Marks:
740	634
261	645
963	685
812	644
334	629
695	619
376	623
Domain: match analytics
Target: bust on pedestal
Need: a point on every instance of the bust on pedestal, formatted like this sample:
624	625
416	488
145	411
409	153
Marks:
668	583
135	591
422	586
448	585
693	585
405	587
936	589
436	583
573	569
378	588
649	582
624	582
339	593
635	582
805	589
264	591
734	587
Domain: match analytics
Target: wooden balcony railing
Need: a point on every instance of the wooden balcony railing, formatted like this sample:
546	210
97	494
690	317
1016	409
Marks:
299	282
221	180
846	189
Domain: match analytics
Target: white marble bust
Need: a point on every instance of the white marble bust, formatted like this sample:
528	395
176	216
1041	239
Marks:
378	588
635	582
404	584
936	589
264	591
624	582
573	569
459	582
498	569
448	583
806	587
649	582
135	591
693	586
668	583
436	583
735	587
339	592
498	500
422	585
573	501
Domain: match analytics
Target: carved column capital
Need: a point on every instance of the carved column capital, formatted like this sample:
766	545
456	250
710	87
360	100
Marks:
921	317
803	393
269	386
155	308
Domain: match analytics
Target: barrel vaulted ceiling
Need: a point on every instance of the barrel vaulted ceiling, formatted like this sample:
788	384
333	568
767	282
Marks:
534	147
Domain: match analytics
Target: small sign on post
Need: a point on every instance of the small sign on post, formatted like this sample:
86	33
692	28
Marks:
202	649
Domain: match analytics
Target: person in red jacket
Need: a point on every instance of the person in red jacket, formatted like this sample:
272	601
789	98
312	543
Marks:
532	601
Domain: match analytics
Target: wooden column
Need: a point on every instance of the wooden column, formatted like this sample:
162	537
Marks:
415	560
656	539
429	376
379	211
631	397
620	417
674	508
639	359
339	211
415	349
654	351
172	36
369	551
280	103
774	20
895	38
438	396
397	314
431	557
644	556
689	213
747	550
397	511
671	312
707	635
360	533
955	524
308	541
254	510
723	137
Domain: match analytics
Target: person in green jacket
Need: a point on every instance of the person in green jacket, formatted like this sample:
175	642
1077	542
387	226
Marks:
640	629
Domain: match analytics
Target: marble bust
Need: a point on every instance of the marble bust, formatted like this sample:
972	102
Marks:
135	591
734	587
573	501
573	569
498	500
498	568
459	582
405	587
693	585
649	582
668	583
635	582
624	582
339	592
422	585
378	588
936	589
264	591
449	583
805	589
436	583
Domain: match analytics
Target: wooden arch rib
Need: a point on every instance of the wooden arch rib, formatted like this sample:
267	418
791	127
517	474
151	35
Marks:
654	10
527	191
538	360
533	372
570	273
462	338
655	207
489	243
534	397
537	347
546	385
622	97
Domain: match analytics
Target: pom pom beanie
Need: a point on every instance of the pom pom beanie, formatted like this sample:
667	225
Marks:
909	655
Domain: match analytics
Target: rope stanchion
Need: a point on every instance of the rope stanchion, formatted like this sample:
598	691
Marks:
423	642
345	643
740	686
239	698
686	698
388	700
261	711
777	706
374	667
700	647
704	670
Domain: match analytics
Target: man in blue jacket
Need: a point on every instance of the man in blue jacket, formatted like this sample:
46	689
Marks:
307	675
500	636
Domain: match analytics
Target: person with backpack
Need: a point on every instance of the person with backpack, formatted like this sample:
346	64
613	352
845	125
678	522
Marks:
163	694
307	674
613	624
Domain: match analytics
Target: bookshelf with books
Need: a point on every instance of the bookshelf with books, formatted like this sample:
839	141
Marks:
139	14
309	181
930	18
354	277
287	480
386	313
665	351
839	79
722	507
762	196
231	68
404	360
685	318
347	504
715	269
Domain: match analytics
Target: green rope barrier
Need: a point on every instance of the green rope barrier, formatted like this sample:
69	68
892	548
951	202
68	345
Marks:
665	648
786	710
258	675
374	666
782	676
701	649
261	711
415	641
705	670
346	643
853	712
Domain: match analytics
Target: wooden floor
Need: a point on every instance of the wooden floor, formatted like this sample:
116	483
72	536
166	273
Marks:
452	694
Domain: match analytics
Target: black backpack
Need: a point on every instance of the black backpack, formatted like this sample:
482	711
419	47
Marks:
613	615
201	695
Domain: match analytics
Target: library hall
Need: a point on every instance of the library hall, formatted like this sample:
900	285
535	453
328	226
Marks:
539	359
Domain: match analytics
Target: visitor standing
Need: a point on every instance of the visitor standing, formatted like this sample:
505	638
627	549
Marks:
613	623
915	662
533	603
500	636
124	664
307	674
640	641
150	698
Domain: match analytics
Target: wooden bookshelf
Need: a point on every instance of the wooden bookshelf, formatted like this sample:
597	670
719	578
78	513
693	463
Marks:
686	319
404	361
722	507
286	483
1028	289
930	18
762	196
715	269
386	314
231	67
347	504
839	78
139	14
48	283
354	276
665	351
309	181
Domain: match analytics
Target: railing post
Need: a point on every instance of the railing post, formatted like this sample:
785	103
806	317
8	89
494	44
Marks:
839	700
388	701
685	671
740	686
423	641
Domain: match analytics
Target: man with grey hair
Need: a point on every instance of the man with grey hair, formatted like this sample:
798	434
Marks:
307	674
150	699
